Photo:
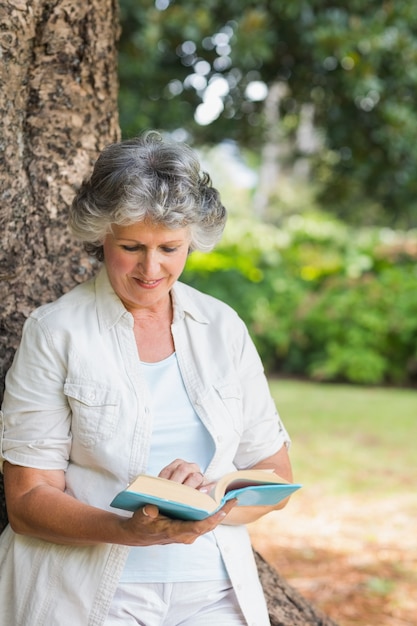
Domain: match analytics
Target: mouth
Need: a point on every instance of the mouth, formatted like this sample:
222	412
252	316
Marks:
148	284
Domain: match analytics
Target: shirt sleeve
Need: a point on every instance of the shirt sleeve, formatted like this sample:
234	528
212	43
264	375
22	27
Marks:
263	431
35	424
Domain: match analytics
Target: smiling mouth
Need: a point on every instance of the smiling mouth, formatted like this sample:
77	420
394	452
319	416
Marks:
148	283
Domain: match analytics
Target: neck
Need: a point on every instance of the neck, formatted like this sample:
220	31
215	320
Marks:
153	332
161	312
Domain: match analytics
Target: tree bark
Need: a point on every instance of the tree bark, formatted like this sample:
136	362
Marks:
58	109
58	105
286	606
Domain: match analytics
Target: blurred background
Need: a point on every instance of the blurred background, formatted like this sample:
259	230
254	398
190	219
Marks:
305	115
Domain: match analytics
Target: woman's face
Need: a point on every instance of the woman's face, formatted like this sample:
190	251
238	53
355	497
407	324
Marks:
143	261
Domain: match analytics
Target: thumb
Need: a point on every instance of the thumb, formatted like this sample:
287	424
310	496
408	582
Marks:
150	510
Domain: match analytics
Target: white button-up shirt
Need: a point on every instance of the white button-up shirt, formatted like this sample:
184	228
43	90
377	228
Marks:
76	400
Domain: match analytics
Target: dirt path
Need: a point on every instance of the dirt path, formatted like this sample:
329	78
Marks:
353	558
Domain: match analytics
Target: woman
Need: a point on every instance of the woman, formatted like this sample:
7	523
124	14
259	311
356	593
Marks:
134	372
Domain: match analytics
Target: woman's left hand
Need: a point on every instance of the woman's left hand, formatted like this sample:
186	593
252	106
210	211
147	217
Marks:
186	473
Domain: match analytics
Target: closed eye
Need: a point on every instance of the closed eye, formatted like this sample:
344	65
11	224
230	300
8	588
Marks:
131	248
138	247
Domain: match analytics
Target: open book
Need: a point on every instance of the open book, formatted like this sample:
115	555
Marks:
250	487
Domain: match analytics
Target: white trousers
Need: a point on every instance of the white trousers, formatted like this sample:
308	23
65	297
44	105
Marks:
211	603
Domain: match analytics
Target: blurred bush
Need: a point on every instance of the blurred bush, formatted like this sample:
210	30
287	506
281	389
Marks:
320	299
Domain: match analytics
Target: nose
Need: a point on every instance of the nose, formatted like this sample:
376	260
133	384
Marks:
149	263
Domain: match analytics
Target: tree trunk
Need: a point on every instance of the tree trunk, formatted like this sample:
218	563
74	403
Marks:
58	107
286	606
273	153
58	104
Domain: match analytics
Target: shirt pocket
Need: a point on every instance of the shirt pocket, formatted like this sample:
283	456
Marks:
230	396
94	411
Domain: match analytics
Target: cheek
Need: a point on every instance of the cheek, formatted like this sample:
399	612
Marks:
179	265
117	262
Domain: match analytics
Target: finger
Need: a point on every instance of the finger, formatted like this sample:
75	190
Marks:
171	468
194	479
228	506
206	486
217	518
150	511
183	472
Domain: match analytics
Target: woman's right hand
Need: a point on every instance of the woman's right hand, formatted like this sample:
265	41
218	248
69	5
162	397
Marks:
39	507
148	527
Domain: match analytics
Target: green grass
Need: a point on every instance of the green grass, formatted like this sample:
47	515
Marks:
348	439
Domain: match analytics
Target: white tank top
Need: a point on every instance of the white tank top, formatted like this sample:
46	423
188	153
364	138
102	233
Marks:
177	432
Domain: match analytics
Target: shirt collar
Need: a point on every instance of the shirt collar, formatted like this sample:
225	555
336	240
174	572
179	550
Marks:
110	308
186	301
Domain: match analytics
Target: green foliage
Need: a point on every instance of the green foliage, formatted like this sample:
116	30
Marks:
352	330
355	63
320	299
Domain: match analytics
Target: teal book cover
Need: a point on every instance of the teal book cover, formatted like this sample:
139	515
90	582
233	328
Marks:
192	504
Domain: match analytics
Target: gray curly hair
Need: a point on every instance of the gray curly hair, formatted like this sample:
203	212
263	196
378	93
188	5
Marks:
147	178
